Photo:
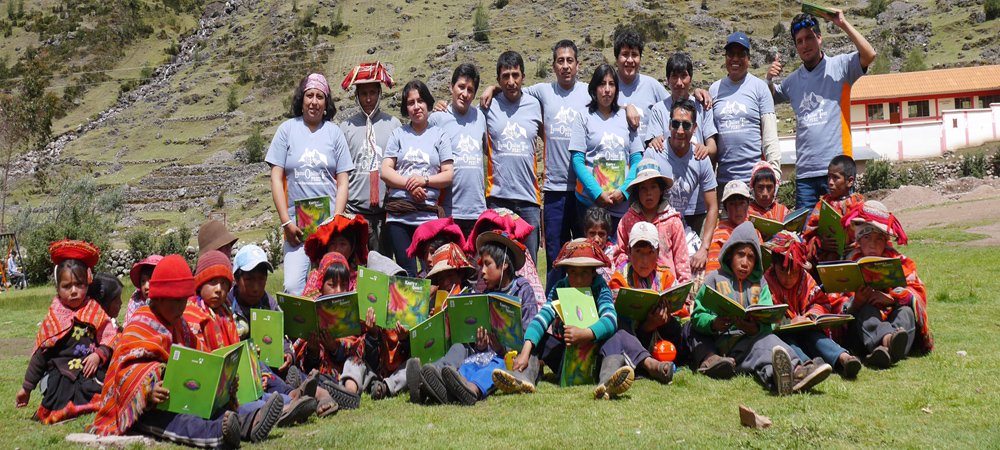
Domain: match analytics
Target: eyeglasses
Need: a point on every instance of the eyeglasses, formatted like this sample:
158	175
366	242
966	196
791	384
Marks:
675	124
806	23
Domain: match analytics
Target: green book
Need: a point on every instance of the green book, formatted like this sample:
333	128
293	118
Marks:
829	225
821	323
816	10
429	339
794	221
579	365
637	303
395	298
337	314
251	386
578	307
727	307
872	271
198	382
505	320
466	314
267	330
310	213
765	258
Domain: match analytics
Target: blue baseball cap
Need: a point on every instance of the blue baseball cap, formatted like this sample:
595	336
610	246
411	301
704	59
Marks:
249	257
738	38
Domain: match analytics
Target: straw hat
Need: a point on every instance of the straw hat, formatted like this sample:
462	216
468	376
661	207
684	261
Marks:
647	170
581	252
506	239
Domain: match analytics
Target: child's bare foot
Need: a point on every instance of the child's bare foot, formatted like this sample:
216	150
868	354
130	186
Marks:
351	386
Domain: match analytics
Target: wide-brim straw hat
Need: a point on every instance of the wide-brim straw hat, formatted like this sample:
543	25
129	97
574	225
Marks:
647	170
506	239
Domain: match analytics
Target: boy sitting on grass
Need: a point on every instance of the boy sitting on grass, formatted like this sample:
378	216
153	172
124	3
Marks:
764	185
736	202
840	182
721	347
886	323
790	283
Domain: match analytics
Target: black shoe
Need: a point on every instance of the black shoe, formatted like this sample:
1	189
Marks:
897	345
298	411
458	387
430	377
346	399
268	416
851	367
413	380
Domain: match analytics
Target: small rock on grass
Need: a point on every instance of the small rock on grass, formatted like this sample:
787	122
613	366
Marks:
751	419
961	353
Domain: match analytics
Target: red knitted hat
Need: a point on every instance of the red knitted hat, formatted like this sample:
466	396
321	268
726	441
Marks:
171	279
211	265
83	251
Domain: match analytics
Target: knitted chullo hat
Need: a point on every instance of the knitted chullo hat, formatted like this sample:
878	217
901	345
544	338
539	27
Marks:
872	216
211	265
171	279
791	246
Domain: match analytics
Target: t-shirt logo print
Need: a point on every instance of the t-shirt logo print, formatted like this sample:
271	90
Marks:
512	133
469	152
810	102
564	121
612	141
312	158
732	109
811	111
734	118
416	156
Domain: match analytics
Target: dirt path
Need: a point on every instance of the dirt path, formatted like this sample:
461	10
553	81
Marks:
11	347
958	213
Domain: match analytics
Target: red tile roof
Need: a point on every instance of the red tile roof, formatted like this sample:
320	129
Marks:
929	82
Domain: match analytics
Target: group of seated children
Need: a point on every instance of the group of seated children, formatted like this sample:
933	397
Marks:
90	364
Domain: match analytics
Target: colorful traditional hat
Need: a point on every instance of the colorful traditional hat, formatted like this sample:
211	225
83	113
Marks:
648	169
316	244
150	261
506	239
317	81
450	257
445	226
501	219
791	245
871	216
82	251
212	265
365	73
582	252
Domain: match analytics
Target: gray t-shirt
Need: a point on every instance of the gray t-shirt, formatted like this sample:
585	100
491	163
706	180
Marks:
692	178
606	145
561	108
513	130
466	198
659	121
816	97
311	160
366	162
420	154
738	108
644	92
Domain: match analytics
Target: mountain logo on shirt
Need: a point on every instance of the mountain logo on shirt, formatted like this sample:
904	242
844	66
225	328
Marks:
731	109
810	102
416	156
468	145
612	141
312	158
565	115
514	131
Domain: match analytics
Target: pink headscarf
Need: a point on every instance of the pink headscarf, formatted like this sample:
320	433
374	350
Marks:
317	81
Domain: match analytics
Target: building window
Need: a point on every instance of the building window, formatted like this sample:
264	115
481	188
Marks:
894	108
985	100
920	108
963	102
875	112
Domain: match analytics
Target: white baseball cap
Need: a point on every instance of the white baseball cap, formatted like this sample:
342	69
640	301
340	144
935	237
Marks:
644	232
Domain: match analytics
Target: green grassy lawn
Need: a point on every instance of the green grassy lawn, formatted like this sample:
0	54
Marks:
941	400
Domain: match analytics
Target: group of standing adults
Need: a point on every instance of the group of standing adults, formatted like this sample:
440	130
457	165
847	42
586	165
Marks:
399	176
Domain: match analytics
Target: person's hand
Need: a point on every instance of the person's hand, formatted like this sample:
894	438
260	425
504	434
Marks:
800	319
288	362
703	97
700	151
604	200
829	243
90	364
370	319
21	400
617	197
720	324
657	143
774	70
293	234
159	394
263	381
482	339
837	17
881	299
440	106
312	344
657	317
328	342
419	194
486	99
699	260
747	326
402	332
415	181
575	336
521	362
633	117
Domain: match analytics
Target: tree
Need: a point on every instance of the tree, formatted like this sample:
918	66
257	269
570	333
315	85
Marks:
914	62
880	65
481	24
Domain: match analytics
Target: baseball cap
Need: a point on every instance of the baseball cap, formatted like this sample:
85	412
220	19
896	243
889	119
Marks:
738	38
643	232
735	187
249	257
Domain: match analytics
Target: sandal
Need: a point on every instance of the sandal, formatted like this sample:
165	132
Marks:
413	380
664	372
327	408
851	367
308	386
231	429
718	367
266	417
433	385
297	411
897	345
344	398
293	377
880	358
379	390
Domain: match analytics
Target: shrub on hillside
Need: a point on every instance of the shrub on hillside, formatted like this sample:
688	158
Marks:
995	163
174	242
878	175
481	24
232	101
914	62
275	239
876	7
786	192
991	8
255	145
141	243
779	29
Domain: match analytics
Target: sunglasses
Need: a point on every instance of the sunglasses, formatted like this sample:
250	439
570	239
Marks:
805	24
675	124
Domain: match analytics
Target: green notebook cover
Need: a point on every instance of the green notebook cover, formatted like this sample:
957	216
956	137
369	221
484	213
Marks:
579	365
198	382
300	315
429	339
637	303
816	10
466	313
373	292
310	213
251	386
727	307
578	307
829	225
267	329
339	315
796	220
505	320
848	276
409	301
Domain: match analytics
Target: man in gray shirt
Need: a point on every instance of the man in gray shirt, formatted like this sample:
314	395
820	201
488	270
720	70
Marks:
367	134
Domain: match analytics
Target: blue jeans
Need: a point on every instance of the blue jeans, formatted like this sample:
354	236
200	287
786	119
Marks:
528	211
812	343
560	226
809	190
400	236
